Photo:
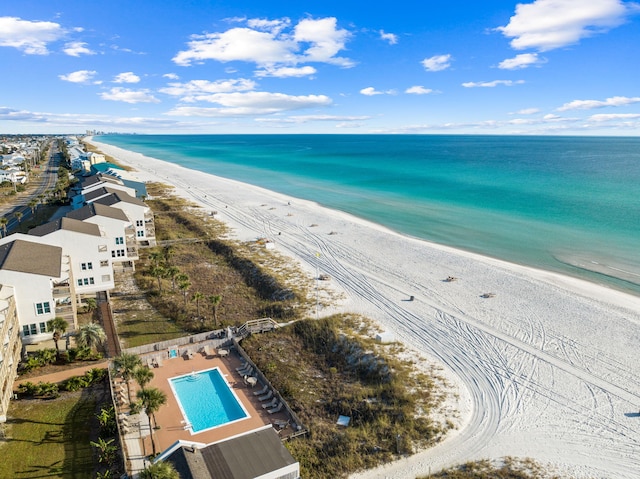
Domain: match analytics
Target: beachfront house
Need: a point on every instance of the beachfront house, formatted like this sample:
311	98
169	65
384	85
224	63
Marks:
137	211
258	454
87	246
42	281
10	346
117	228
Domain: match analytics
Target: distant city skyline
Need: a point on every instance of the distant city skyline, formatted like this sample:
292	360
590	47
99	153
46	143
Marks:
548	67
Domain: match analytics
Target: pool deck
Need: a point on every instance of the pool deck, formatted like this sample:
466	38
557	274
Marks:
170	419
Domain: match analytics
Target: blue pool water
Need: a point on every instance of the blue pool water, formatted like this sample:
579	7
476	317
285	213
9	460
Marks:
206	400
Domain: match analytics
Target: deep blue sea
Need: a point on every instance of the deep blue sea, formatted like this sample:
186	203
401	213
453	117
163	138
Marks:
566	204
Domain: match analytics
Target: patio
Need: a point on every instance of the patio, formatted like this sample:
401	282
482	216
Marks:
169	417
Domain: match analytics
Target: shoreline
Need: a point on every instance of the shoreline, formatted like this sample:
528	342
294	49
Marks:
533	365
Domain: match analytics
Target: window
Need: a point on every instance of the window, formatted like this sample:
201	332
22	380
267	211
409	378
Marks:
104	263
139	223
140	234
42	308
79	281
86	266
119	240
117	253
33	329
43	327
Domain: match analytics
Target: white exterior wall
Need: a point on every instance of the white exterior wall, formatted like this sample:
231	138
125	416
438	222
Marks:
136	213
30	290
114	229
90	251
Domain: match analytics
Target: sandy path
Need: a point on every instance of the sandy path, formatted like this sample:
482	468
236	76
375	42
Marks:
546	367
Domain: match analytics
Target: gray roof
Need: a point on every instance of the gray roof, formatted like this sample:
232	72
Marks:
34	258
67	224
245	457
97	193
118	196
97	209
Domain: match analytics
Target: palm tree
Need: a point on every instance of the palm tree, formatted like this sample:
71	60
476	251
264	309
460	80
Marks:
215	300
90	304
151	399
159	272
156	257
169	252
184	287
143	375
3	224
18	216
172	273
59	326
197	297
160	470
33	204
126	364
90	335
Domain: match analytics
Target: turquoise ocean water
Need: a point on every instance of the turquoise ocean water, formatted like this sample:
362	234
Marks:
566	204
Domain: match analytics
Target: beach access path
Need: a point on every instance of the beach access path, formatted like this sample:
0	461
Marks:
544	364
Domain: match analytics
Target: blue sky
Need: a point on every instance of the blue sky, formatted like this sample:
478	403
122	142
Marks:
483	67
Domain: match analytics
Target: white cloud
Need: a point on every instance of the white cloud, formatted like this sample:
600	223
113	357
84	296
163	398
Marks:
75	49
273	26
591	104
126	77
286	72
492	84
528	111
27	36
321	38
325	38
171	76
614	116
370	91
389	37
129	96
310	118
201	89
418	90
252	103
81	76
548	24
437	63
524	60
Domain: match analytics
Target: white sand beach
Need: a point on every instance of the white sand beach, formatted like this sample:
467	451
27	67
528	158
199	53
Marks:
544	365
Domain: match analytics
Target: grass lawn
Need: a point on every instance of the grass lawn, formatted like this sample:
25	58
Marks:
49	438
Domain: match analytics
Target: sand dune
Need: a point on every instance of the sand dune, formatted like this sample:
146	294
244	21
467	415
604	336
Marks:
544	364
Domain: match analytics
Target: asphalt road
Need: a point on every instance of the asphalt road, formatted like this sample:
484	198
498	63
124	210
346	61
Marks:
49	176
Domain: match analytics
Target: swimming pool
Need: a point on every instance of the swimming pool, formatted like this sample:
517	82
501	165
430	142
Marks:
206	400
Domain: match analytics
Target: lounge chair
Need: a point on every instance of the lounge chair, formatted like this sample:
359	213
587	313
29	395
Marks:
276	409
246	372
243	368
281	424
269	395
207	350
262	391
270	404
